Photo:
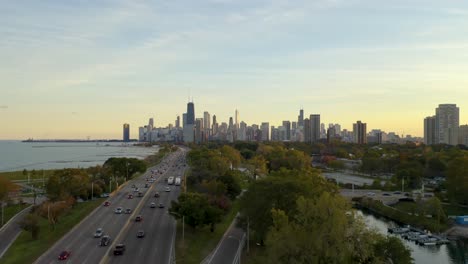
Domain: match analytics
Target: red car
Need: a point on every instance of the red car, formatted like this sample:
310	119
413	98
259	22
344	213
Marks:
130	196
64	255
139	218
107	203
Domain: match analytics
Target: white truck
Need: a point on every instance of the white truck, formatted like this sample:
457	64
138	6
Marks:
170	181
177	181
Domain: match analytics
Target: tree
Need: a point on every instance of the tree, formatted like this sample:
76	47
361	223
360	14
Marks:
258	166
457	180
391	250
30	223
6	186
196	210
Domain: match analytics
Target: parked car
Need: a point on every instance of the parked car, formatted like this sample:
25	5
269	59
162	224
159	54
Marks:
64	255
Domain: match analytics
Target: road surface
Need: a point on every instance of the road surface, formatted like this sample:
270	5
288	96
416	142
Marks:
158	225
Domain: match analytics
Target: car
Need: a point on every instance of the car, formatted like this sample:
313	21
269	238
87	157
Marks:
161	205
156	194
119	249
139	218
133	186
105	240
140	194
136	190
153	205
128	211
98	233
118	210
140	234
146	185
168	189
396	192
64	255
105	195
130	196
107	203
370	194
386	194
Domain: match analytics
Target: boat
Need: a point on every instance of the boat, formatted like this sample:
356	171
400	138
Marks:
428	241
398	230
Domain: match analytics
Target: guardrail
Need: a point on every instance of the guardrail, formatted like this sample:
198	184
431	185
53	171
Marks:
237	258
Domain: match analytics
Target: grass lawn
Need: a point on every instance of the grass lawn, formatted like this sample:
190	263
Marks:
18	175
12	210
25	250
200	242
451	209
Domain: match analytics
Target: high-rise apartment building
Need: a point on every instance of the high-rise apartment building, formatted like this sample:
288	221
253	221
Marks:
447	116
314	127
126	132
287	129
430	130
206	124
265	127
360	132
237	120
177	122
307	133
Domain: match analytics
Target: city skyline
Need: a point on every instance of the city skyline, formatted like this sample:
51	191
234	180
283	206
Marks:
388	64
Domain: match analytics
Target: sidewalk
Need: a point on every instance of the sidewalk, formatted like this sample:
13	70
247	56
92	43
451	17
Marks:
11	230
229	248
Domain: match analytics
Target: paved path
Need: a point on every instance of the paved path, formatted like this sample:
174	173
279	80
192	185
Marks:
10	231
228	250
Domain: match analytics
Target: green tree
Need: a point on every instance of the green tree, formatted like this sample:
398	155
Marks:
457	180
391	250
196	210
30	223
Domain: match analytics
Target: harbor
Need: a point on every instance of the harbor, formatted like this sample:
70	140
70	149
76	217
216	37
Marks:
420	237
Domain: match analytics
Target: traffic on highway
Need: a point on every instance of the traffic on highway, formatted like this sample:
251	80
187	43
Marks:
128	227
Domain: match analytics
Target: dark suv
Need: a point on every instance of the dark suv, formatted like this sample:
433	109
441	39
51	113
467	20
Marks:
119	249
105	240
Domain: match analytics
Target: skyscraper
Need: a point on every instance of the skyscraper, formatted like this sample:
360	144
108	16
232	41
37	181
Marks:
300	118
207	124
430	130
237	120
447	116
314	127
265	127
287	127
126	132
177	122
360	132
307	133
190	113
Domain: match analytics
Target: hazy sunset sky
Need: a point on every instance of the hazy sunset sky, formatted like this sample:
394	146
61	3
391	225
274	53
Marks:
72	69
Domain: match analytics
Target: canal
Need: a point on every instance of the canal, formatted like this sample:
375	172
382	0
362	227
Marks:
454	253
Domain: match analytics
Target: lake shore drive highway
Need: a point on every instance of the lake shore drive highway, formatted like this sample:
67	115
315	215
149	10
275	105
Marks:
158	225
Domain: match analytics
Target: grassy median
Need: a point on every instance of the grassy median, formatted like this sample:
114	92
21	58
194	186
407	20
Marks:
200	242
26	250
12	210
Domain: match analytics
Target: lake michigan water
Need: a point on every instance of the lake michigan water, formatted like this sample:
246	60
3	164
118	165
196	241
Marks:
17	155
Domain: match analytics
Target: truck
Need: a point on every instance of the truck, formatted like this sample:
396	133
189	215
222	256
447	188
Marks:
170	181
177	181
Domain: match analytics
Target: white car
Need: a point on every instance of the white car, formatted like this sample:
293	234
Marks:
98	232
153	205
118	210
168	189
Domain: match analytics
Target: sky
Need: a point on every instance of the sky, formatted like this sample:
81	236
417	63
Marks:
73	69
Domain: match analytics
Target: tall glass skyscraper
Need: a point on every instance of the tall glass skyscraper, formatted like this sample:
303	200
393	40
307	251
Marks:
190	113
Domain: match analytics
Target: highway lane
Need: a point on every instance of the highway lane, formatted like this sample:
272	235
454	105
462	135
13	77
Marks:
159	227
80	240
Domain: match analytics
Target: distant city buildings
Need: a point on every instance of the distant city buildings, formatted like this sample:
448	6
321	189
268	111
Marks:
360	132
